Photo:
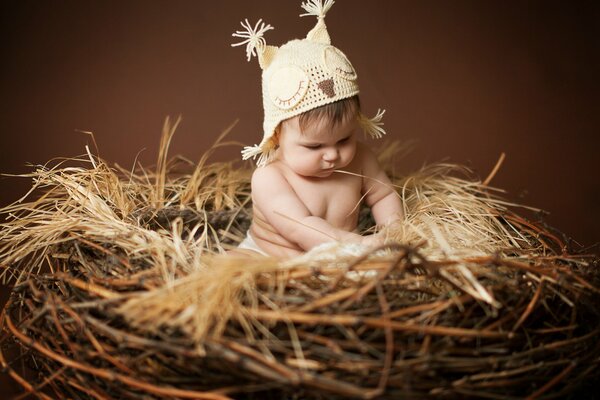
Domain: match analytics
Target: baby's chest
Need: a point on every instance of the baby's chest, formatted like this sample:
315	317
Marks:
334	201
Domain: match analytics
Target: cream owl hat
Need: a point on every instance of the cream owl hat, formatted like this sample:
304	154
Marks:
299	76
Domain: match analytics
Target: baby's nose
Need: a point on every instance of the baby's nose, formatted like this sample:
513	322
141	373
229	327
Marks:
330	155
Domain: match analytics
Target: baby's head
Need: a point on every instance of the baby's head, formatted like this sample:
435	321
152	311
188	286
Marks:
319	141
305	78
330	115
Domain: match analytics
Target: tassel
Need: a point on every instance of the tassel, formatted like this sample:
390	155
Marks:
266	157
251	152
372	126
253	37
316	8
265	154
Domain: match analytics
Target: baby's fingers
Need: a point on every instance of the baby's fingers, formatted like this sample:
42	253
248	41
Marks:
372	240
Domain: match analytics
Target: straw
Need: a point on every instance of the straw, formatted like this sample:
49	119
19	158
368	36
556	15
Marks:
122	288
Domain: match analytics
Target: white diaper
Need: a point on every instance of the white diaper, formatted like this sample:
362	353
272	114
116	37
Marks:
249	244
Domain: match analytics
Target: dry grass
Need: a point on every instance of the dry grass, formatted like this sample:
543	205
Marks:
122	282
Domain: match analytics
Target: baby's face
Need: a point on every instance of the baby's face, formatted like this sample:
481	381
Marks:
319	149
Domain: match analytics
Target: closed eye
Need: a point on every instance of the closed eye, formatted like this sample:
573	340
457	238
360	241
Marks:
292	99
312	146
344	140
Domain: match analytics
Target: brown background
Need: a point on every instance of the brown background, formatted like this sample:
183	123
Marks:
466	79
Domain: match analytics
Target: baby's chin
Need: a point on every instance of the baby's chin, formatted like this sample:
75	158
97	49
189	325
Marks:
324	173
319	173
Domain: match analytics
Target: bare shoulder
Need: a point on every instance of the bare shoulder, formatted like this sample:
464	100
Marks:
268	179
262	175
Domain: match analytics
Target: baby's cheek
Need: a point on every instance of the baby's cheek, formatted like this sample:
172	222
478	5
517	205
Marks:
314	160
306	154
349	152
308	161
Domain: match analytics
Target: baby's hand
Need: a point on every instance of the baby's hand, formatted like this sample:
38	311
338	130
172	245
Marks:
373	240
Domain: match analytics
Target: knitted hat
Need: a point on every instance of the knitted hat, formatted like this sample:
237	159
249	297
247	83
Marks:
299	76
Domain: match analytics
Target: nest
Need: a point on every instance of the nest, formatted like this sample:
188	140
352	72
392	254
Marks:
123	289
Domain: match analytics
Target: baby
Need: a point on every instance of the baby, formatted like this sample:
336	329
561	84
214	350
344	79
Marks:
312	173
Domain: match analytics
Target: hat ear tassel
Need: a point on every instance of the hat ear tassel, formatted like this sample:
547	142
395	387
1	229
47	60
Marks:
316	8
253	38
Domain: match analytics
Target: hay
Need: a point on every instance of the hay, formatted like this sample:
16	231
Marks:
122	290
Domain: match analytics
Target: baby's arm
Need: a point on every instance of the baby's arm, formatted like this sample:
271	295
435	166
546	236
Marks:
275	198
381	196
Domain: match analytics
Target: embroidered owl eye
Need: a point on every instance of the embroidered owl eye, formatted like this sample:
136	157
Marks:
287	86
338	64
